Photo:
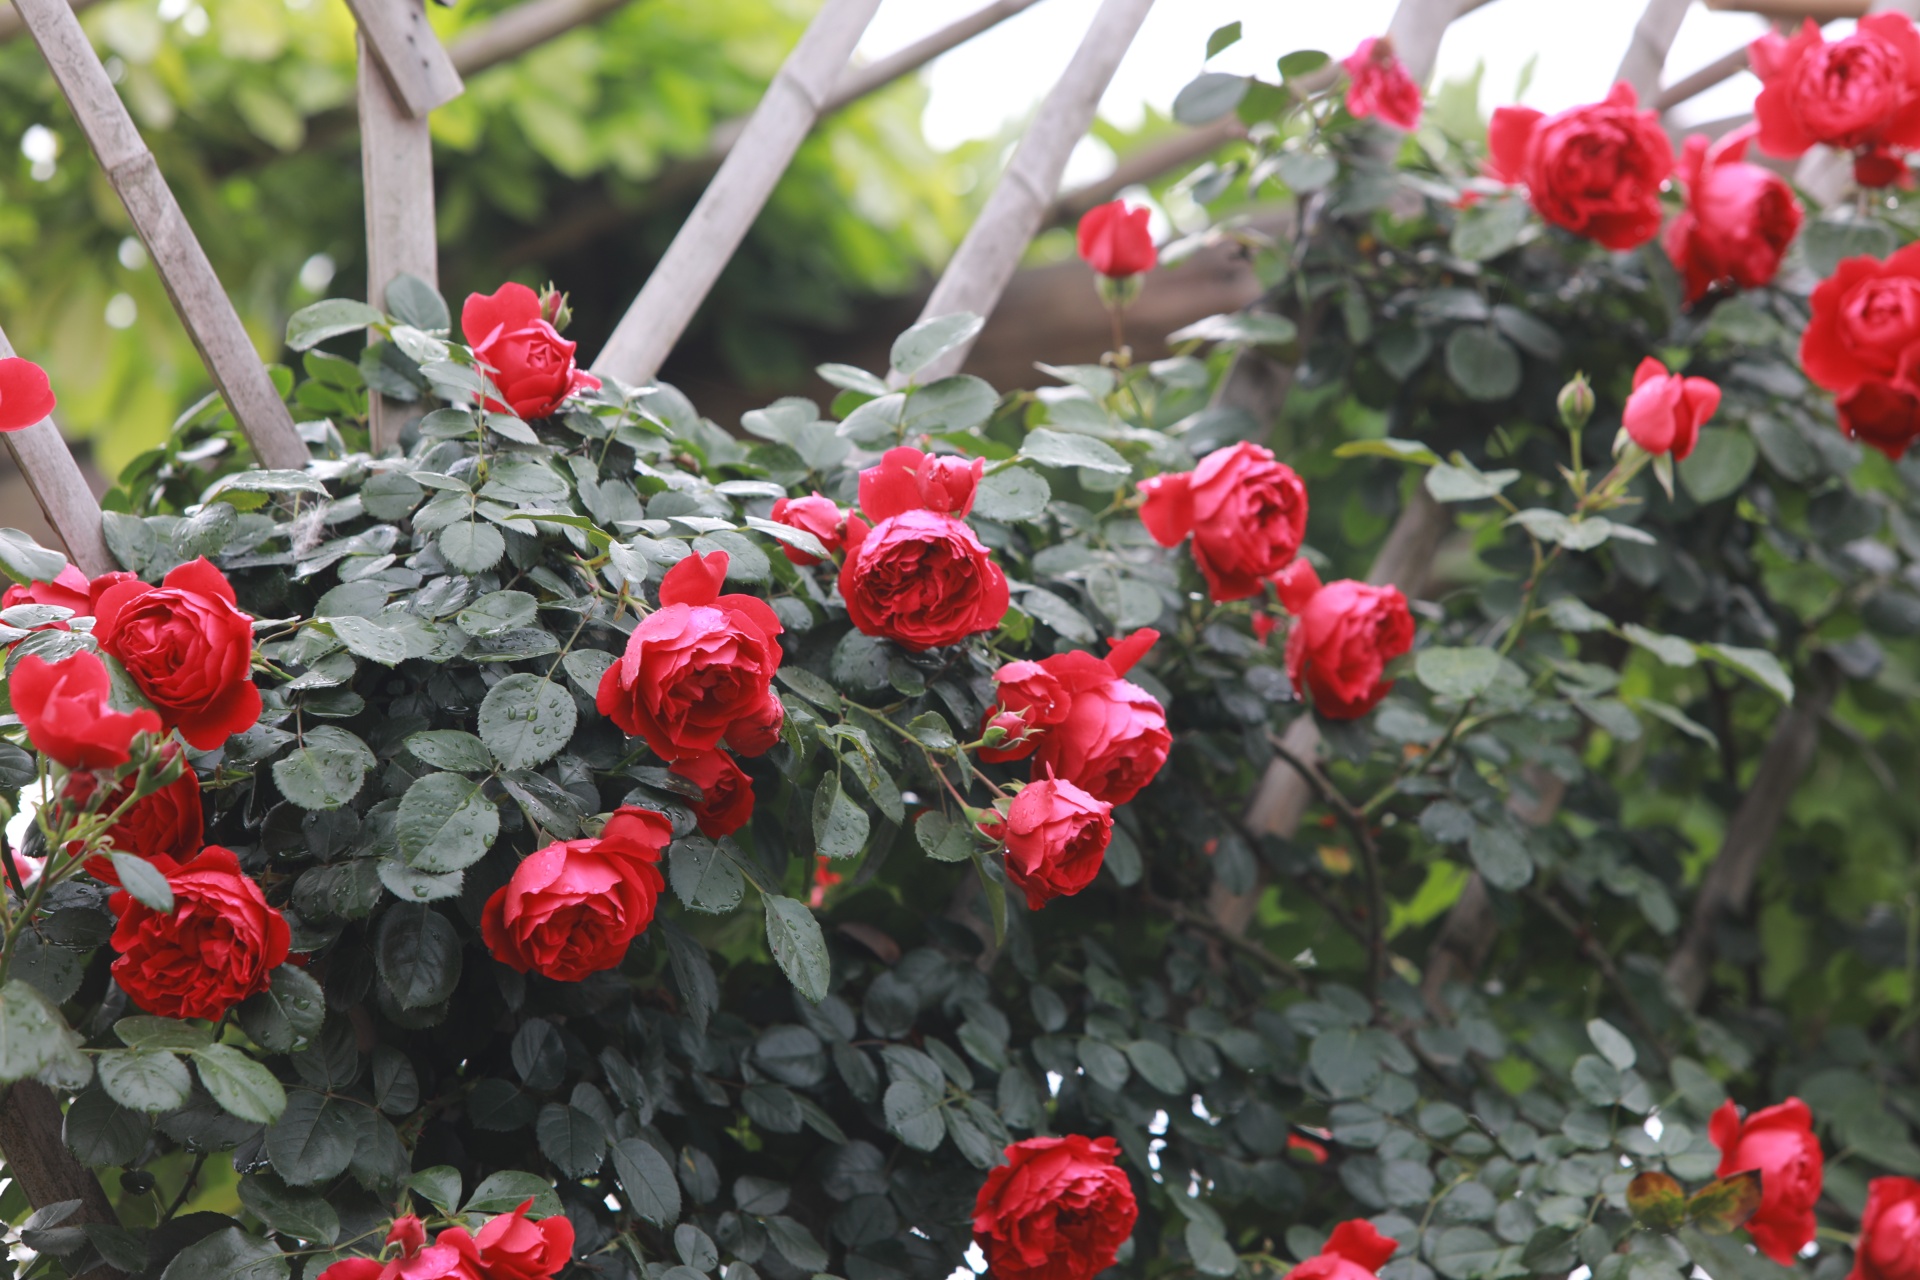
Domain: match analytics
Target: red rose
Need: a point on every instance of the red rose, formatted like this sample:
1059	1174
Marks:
1341	643
1031	699
906	479
1295	585
167	824
1355	1251
1861	93
1305	1148
409	1233
515	1247
64	708
25	395
1378	86
1885	415
824	878
1115	242
68	590
1114	737
1739	218
1056	837
1665	410
454	1256
1059	1209
921	579
1779	1142
1889	1244
726	793
572	908
219	944
1595	170
1247	514
532	364
819	516
187	647
698	668
1866	317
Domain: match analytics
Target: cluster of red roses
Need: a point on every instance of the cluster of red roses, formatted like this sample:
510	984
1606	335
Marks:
510	1246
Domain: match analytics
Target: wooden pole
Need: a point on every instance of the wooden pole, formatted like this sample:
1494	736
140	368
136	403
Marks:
1719	71
189	278
856	83
991	252
731	202
418	69
514	31
62	492
11	27
1647	52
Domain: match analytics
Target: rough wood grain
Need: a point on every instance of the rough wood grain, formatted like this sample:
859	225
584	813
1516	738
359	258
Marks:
1719	71
731	202
1652	40
417	66
36	1156
59	487
197	295
12	26
396	166
991	253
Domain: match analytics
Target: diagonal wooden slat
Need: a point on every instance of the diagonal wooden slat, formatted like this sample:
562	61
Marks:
1719	71
731	202
991	252
197	295
60	489
417	66
512	32
857	82
1652	40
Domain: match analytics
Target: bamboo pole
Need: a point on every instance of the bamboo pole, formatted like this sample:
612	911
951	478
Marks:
197	295
731	202
1652	40
991	252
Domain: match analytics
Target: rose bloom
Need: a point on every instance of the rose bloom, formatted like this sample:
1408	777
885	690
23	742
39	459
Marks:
26	397
188	648
1595	170
726	800
1379	87
219	944
69	589
1779	1142
1247	514
1340	645
1889	1243
1056	837
454	1256
1866	317
1305	1148
1031	700
1666	410
1355	1251
572	908
1739	218
532	364
906	479
1059	1209
1114	240
167	824
1885	415
922	580
1860	93
515	1247
698	667
1088	726
64	708
819	516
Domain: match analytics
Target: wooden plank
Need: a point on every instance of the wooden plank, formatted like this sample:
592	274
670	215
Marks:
12	27
991	252
396	167
512	32
1646	54
857	82
417	66
59	487
1417	27
1719	71
189	278
731	202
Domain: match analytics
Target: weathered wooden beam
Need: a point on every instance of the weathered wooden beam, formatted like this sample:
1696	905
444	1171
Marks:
1416	29
1146	164
12	25
59	487
512	32
36	1156
1719	71
856	83
197	295
994	245
417	66
1652	40
731	202
1818	10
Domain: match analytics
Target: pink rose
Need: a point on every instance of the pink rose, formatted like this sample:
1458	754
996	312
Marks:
819	516
1378	86
1666	410
1056	837
1246	511
906	479
530	362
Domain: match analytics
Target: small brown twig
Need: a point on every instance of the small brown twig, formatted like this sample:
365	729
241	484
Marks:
1376	940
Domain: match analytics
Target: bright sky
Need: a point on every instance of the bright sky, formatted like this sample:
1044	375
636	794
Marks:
998	77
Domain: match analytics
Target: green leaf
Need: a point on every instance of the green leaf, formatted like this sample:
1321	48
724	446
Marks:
1449	483
927	341
372	639
150	1080
912	1108
1012	495
145	1032
525	720
646	1176
1345	1060
572	1139
1678	719
1056	613
505	1191
798	946
1671	650
143	880
453	749
1465	1253
228	1255
849	378
1209	1247
498	611
472	547
1490	228
266	482
1720	463
246	1089
311	325
1457	673
1612	1043
415	302
26	561
1482	364
1223	37
1301	62
1756	664
301	1214
418	953
1068	449
438	1186
1827	241
959	403
943	839
287	1015
1501	857
1656	1201
796	1244
32	1032
839	825
1156	1065
1206	98
445	823
1239	329
325	771
799	539
1725	1204
704	878
1387	447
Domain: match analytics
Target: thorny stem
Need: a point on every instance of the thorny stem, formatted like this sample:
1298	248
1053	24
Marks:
186	1188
